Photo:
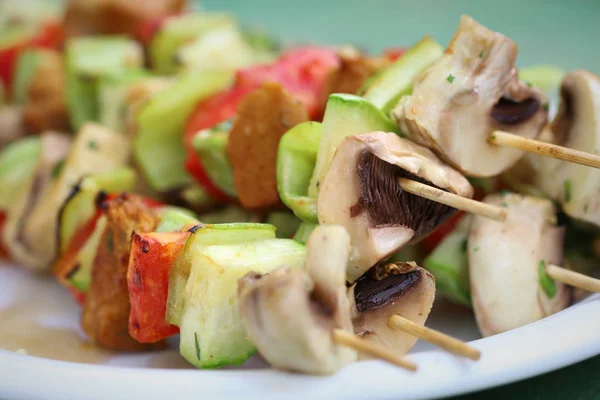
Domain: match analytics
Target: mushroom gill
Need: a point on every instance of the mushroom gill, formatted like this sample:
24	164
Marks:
360	193
388	289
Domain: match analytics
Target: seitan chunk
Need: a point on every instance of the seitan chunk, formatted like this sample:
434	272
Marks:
105	316
263	117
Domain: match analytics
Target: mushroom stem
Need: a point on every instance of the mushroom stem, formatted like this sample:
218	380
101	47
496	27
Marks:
446	342
545	149
573	278
452	200
345	338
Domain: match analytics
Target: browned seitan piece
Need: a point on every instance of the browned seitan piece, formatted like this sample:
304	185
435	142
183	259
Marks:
263	117
105	316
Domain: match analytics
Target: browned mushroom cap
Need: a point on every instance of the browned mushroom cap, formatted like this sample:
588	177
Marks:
470	92
360	192
506	264
290	314
388	289
54	148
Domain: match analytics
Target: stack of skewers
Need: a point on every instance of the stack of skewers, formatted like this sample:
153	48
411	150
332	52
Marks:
159	174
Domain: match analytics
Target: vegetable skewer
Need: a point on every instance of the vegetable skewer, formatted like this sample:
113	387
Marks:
546	149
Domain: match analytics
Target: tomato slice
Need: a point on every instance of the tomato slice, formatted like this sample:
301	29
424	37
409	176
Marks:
50	35
303	72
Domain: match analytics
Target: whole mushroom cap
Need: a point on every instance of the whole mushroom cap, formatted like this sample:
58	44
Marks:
471	91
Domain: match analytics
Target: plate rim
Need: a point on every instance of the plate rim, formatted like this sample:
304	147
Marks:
541	354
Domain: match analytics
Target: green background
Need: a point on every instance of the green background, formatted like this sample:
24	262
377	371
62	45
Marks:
561	32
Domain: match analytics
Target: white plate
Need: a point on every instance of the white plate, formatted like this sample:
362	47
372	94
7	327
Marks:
39	316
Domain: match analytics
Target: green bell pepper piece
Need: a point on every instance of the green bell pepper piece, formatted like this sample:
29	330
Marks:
296	158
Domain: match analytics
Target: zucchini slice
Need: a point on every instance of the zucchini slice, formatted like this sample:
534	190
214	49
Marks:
212	333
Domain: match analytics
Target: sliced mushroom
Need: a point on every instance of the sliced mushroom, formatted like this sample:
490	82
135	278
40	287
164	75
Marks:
360	193
290	314
506	264
388	289
472	90
54	149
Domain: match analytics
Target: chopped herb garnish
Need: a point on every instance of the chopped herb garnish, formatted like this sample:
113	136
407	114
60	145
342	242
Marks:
493	137
476	249
197	346
529	84
92	145
567	185
57	168
463	246
585	208
546	282
482	54
504	204
546	106
450	78
504	192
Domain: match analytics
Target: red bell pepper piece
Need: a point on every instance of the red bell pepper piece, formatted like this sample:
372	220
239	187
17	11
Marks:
151	258
51	35
303	72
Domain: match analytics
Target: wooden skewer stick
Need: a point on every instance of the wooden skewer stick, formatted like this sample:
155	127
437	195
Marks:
573	278
453	200
348	339
446	342
545	149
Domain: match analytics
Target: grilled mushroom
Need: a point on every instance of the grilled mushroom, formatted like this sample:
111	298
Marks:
388	289
360	193
290	314
54	148
507	263
470	92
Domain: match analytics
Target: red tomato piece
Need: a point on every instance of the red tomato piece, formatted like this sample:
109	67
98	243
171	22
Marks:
150	261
